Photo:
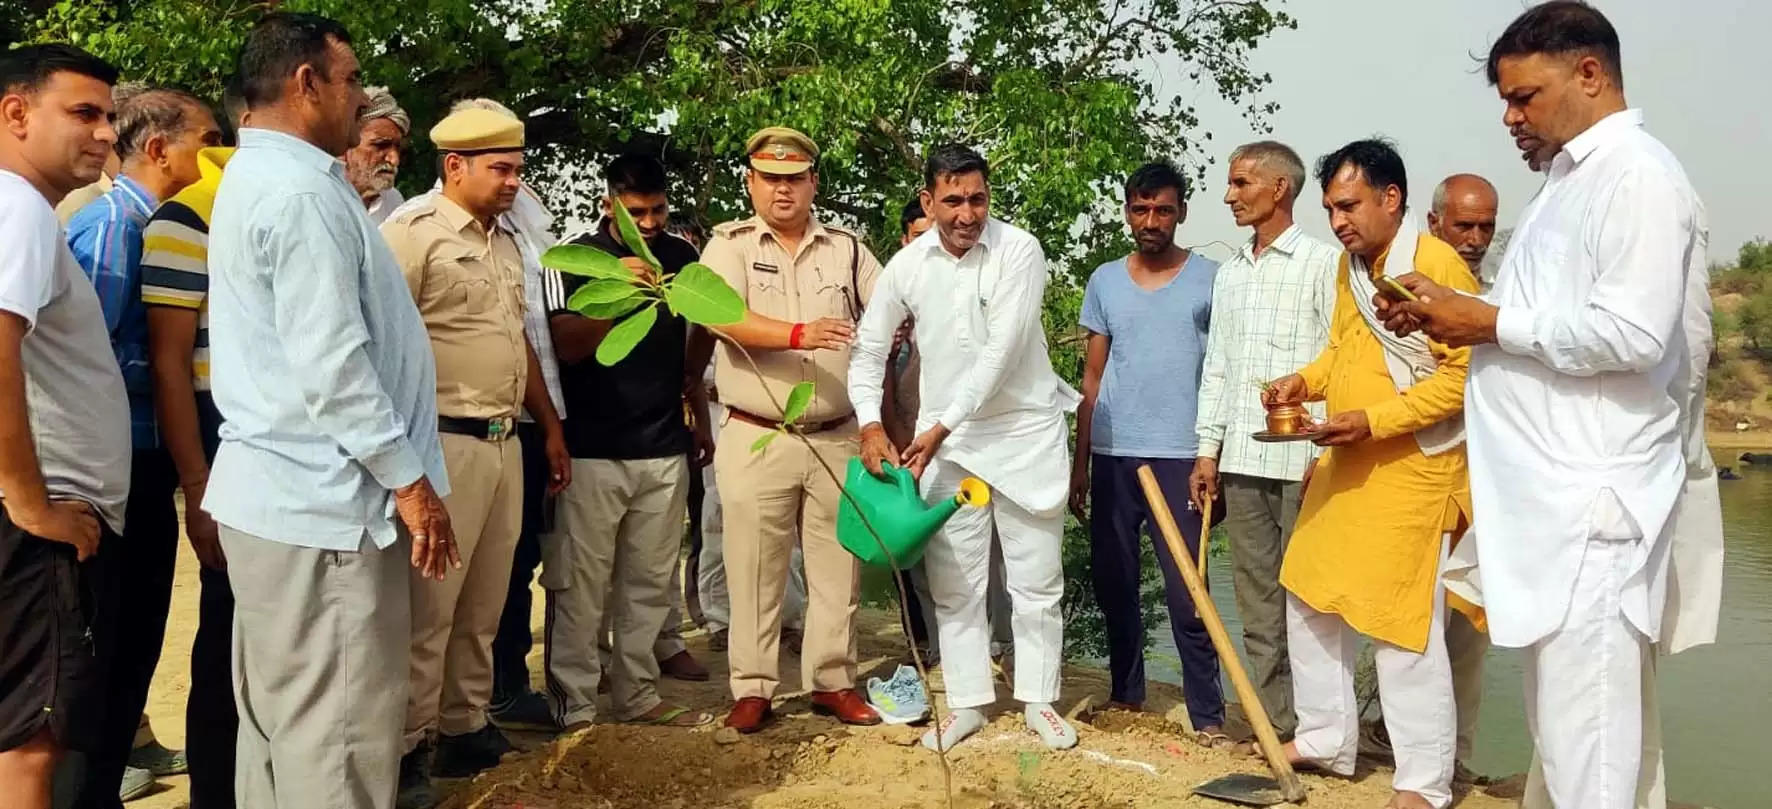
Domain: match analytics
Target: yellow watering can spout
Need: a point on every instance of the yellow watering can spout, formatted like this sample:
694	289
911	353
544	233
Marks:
897	514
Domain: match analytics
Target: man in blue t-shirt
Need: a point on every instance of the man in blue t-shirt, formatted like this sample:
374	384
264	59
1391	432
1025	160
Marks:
1147	316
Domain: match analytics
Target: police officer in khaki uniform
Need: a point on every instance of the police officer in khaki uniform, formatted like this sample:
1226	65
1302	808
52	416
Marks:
466	274
804	283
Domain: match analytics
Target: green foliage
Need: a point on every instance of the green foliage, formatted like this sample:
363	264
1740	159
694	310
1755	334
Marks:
1754	321
1059	94
1755	256
576	259
798	399
626	334
701	296
1729	382
602	291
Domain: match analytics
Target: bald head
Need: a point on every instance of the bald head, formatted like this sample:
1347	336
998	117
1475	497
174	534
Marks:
1463	215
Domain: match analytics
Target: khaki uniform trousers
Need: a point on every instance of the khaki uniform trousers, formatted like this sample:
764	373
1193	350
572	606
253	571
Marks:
771	498
609	560
454	620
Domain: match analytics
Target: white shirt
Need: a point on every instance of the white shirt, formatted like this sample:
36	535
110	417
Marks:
985	373
382	208
1695	566
1574	432
1270	317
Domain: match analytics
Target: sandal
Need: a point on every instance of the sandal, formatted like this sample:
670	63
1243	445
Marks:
678	717
1214	740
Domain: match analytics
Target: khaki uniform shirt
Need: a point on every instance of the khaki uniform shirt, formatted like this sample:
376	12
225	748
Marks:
468	284
832	275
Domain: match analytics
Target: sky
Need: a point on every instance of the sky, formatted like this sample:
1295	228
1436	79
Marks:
1699	70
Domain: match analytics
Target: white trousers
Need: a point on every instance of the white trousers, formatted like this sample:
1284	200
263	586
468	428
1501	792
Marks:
1651	776
958	562
1415	691
710	579
1587	694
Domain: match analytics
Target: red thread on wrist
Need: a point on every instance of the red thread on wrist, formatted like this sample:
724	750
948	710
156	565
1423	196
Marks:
795	336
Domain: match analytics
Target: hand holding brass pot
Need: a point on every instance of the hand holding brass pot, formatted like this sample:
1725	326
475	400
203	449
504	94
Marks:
1284	400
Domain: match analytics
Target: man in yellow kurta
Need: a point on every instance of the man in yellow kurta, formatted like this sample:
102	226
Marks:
1385	501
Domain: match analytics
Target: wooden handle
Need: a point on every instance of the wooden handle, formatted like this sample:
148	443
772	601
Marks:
1290	786
1205	539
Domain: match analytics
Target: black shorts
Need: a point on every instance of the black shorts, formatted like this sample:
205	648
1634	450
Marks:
48	669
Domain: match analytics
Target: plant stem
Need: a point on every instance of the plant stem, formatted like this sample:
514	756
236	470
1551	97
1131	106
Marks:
947	774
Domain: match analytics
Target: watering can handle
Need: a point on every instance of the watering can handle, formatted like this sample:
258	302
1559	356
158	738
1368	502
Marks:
906	485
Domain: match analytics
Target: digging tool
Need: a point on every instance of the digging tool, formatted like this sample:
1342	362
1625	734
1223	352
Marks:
1241	788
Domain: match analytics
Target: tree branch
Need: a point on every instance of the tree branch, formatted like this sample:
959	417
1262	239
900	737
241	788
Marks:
906	151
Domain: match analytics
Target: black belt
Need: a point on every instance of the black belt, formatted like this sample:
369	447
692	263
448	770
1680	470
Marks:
485	429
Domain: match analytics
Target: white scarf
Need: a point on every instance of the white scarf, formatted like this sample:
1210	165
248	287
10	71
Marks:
1409	359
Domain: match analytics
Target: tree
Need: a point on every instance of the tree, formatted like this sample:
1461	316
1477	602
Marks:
1058	93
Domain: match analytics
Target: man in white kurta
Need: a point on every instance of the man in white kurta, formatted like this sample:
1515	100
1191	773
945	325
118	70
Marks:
1574	432
993	409
1695	533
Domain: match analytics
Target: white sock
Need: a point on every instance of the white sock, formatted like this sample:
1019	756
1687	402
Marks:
1054	731
955	728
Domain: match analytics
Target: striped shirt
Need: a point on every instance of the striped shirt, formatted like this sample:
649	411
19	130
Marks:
106	238
175	254
1270	317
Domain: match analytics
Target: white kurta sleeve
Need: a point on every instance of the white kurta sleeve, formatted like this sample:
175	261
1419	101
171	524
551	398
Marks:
1635	303
1011	318
873	341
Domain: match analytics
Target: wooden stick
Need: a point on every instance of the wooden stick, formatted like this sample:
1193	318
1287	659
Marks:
1290	786
1205	539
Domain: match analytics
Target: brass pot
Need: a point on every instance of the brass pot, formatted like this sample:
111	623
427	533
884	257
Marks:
1287	419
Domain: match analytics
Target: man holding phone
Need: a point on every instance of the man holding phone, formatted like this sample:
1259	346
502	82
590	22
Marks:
1387	499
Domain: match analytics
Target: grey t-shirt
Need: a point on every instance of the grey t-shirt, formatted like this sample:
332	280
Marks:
73	389
1150	389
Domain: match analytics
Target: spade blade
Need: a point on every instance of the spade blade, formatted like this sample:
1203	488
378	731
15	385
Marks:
1244	789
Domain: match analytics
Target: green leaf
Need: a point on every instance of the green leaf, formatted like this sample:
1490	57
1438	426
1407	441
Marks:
609	311
763	440
578	259
798	399
602	290
622	338
701	296
630	234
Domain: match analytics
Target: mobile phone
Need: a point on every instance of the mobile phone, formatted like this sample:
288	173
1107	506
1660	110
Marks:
1389	287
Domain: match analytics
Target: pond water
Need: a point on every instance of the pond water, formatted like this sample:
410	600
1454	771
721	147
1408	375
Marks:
1716	700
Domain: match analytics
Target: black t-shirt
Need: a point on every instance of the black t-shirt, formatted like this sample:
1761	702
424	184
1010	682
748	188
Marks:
633	409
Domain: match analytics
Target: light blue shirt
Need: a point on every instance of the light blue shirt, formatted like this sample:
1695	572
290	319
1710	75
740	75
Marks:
320	364
1150	390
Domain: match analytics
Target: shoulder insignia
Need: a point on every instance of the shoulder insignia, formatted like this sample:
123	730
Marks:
729	229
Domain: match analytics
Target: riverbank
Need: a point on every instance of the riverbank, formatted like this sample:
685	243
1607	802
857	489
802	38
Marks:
808	762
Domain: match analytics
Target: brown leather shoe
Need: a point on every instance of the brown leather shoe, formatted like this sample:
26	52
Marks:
683	666
750	715
847	706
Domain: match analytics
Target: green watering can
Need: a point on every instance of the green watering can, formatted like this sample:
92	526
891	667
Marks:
896	513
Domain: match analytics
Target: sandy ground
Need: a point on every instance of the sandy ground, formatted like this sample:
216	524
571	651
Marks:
804	761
